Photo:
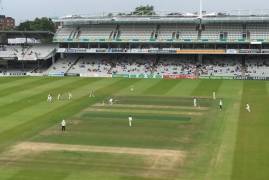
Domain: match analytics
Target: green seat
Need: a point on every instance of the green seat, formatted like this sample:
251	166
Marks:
260	40
241	40
187	40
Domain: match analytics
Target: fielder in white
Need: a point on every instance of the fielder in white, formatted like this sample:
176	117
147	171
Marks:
248	108
130	121
220	105
111	101
195	102
63	124
59	97
70	96
92	94
214	95
49	98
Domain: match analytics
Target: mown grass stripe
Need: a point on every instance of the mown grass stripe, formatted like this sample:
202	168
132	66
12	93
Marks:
26	86
16	84
33	126
6	80
26	102
162	87
206	88
124	115
138	87
116	87
251	158
134	111
157	100
149	107
16	96
221	164
184	89
32	112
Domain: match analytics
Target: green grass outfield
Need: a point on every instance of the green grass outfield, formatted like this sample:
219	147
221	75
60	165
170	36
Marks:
169	139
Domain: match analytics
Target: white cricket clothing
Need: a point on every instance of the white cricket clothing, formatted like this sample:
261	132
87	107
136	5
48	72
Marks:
220	103
69	96
92	93
248	108
130	121
195	102
49	98
111	101
63	123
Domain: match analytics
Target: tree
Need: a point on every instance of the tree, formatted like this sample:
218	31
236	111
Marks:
144	10
39	24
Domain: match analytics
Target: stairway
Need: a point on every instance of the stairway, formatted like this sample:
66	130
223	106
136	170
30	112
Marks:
72	65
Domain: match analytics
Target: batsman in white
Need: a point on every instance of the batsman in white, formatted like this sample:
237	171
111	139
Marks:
248	108
130	121
195	102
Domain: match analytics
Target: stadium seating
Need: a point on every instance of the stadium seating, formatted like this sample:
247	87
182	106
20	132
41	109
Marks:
220	67
178	32
170	32
258	32
62	65
137	32
91	66
132	65
8	52
211	33
256	67
175	66
29	53
99	32
64	33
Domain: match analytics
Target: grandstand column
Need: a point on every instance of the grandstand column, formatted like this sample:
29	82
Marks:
38	64
53	58
243	63
22	65
200	59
